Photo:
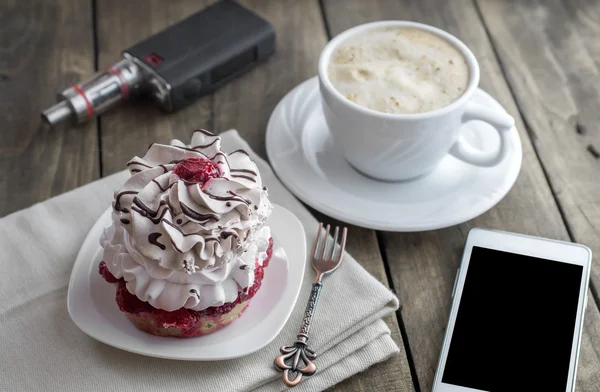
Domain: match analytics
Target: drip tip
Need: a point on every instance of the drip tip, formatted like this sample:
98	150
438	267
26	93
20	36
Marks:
57	114
82	101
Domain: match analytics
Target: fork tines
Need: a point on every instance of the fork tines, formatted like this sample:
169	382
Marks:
328	249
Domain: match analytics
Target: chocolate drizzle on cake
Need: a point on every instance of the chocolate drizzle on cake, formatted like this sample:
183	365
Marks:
240	151
160	187
206	145
227	234
189	149
196	215
117	206
234	197
207	133
238	196
207	239
243	171
221	155
244	177
176	247
153	239
188	183
148	213
138	163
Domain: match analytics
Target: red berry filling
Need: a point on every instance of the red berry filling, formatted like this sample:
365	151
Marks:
196	170
128	302
110	278
269	253
181	318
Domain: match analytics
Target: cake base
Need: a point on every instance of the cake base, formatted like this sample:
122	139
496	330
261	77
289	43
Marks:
206	324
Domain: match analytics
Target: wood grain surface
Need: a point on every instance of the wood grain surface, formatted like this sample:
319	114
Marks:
45	46
540	59
244	104
550	53
424	265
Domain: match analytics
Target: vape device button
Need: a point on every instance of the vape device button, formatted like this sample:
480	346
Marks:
455	282
153	59
192	89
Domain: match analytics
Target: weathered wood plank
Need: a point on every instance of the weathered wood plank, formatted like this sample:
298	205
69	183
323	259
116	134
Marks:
44	47
128	130
551	55
244	104
394	374
423	265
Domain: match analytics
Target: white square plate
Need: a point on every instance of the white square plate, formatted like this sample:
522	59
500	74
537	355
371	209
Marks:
92	306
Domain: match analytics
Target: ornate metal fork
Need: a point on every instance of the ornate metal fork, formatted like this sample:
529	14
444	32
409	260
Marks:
326	259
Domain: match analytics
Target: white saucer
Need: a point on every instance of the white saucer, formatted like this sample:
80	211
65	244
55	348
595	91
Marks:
302	153
91	301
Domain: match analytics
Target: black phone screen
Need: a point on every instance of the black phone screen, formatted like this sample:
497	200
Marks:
515	324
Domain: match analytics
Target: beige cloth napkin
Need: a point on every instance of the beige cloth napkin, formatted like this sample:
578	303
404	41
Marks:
42	350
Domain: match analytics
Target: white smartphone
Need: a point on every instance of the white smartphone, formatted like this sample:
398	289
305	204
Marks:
517	315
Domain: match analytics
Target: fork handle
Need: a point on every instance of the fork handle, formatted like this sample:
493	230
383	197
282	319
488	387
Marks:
297	358
311	306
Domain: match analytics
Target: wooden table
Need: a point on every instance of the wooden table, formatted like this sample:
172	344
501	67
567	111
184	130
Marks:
541	60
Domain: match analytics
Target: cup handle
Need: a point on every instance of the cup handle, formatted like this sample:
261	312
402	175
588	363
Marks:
502	122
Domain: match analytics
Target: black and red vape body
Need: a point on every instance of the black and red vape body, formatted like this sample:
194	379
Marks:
176	66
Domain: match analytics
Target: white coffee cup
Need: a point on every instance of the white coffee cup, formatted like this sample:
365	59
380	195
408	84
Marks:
395	147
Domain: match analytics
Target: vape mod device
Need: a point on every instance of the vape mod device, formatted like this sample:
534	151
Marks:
176	66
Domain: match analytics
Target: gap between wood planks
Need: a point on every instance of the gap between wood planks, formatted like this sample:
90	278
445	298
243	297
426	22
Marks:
405	340
388	275
96	60
579	129
379	236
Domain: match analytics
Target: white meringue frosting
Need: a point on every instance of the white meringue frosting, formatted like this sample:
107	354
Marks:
184	244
